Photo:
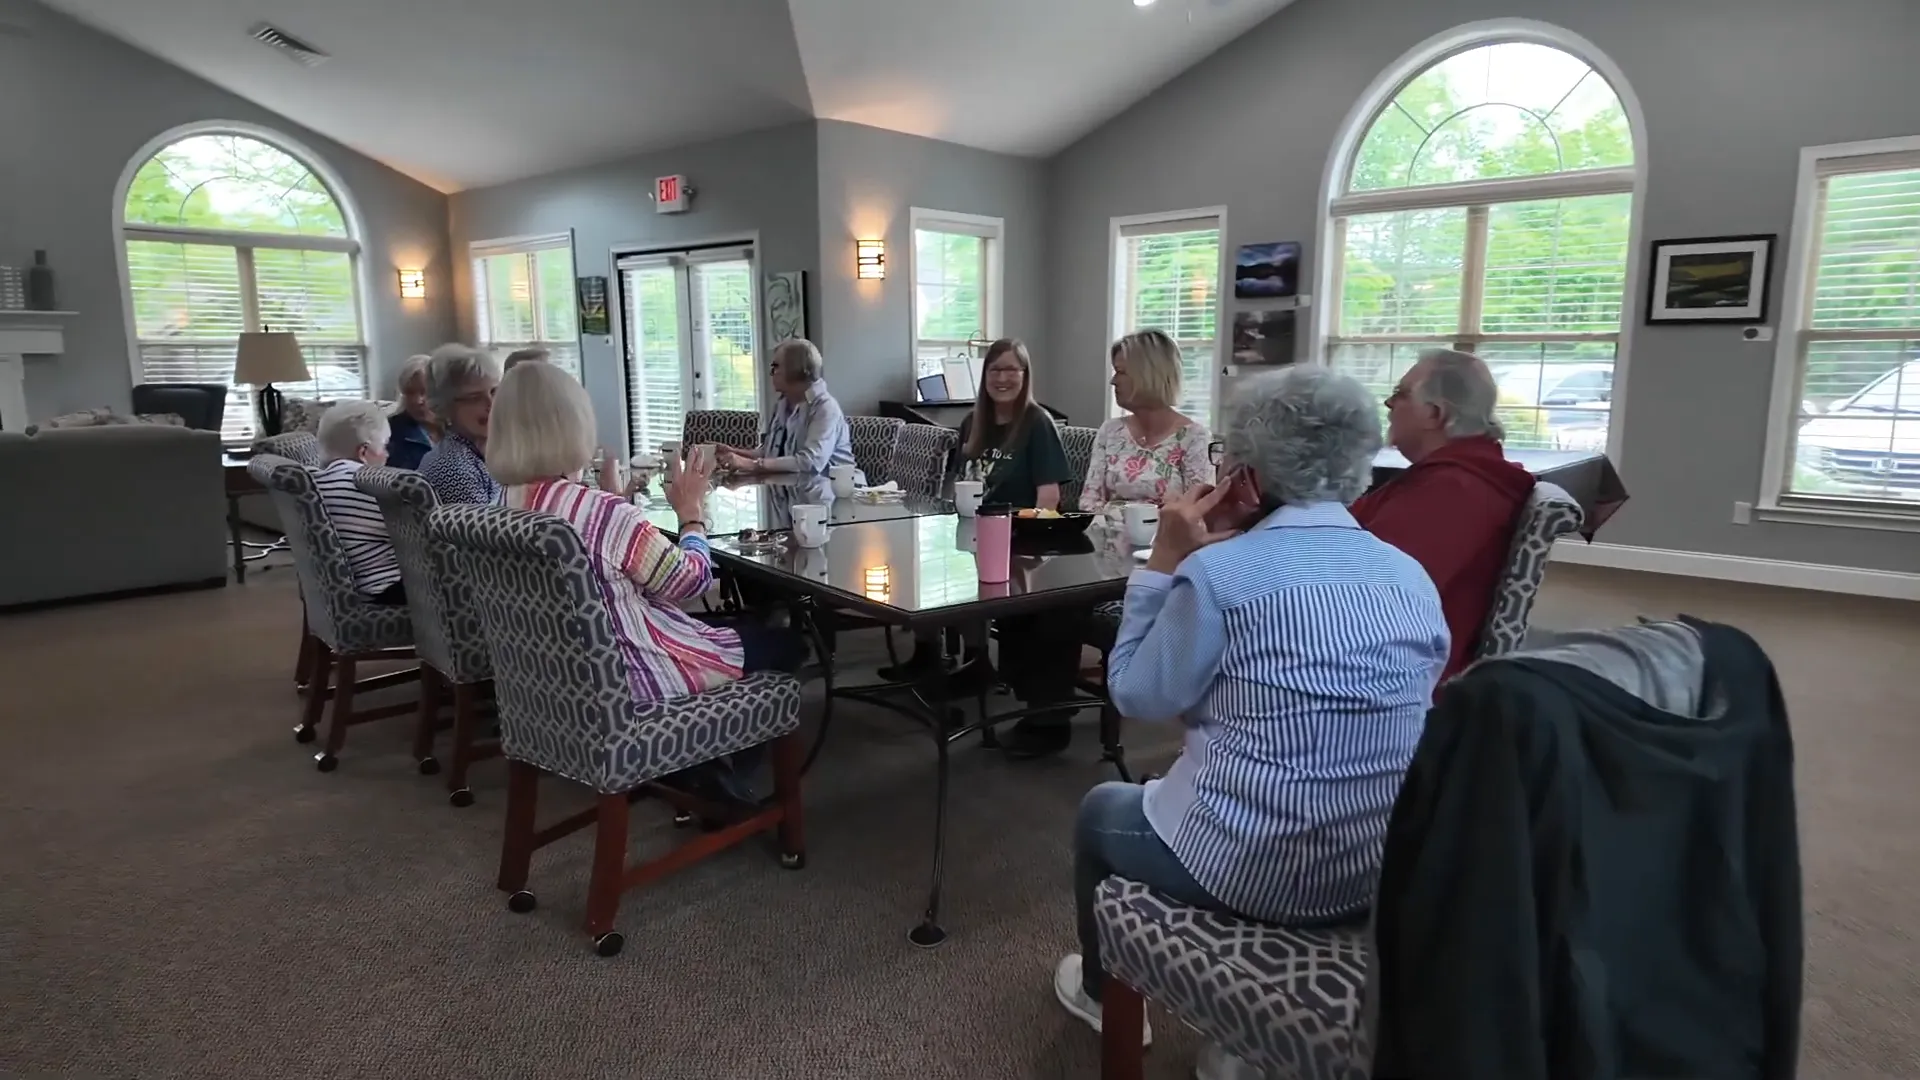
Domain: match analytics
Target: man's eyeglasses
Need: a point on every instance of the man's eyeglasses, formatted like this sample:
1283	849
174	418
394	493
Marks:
1215	451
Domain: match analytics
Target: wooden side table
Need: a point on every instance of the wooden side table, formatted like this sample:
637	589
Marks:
240	482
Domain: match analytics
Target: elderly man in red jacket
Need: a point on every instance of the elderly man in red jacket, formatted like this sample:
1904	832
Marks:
1454	509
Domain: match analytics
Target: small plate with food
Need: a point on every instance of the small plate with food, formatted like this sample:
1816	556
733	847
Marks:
1030	522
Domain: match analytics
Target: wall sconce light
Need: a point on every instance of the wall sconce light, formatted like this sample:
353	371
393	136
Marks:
879	583
870	258
413	284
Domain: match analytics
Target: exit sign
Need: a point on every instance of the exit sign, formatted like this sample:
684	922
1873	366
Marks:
670	194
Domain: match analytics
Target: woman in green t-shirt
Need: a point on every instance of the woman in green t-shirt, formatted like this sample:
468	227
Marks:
1008	426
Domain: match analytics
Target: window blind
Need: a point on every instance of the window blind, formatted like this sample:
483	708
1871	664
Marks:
1169	281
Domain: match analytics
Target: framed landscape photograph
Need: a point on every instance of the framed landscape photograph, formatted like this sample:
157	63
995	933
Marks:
1263	337
1714	279
1266	271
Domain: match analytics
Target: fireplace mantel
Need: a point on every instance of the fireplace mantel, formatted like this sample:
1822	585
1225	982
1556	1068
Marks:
24	334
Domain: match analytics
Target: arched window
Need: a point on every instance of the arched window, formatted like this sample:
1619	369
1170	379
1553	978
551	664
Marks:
1488	208
227	233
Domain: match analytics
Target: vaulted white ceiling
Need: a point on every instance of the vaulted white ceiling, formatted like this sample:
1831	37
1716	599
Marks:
467	93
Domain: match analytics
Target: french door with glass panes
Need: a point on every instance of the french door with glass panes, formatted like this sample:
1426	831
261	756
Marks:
689	320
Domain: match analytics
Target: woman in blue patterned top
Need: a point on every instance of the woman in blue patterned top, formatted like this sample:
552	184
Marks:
1297	652
460	384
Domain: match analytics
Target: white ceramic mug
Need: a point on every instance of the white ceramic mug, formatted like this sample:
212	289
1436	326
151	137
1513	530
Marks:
809	524
669	454
842	479
966	497
1142	521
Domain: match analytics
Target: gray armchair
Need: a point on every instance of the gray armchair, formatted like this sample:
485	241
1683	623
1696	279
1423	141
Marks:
202	405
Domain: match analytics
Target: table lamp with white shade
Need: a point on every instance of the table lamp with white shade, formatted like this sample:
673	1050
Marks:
265	358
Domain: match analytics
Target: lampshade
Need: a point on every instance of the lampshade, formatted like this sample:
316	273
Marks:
270	357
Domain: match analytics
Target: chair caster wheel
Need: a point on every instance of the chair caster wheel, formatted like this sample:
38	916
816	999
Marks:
303	734
325	762
429	767
682	819
988	740
462	797
793	860
521	902
609	943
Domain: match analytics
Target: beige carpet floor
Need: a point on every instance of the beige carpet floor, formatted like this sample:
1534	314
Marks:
182	895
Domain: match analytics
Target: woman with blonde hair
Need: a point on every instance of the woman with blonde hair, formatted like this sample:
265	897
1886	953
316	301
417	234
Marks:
541	441
1012	428
1151	453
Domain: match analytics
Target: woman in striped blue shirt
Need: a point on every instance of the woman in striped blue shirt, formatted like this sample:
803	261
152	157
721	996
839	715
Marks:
1298	653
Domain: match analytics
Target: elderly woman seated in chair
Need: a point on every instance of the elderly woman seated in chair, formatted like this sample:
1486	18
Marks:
1297	652
809	434
541	442
353	434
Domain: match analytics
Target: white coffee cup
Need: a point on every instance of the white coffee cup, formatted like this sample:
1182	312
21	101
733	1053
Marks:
809	524
1142	521
669	454
966	497
842	478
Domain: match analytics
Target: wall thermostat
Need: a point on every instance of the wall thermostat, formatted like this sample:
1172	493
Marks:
1757	333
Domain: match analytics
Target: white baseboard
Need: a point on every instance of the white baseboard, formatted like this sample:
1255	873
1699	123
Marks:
1786	575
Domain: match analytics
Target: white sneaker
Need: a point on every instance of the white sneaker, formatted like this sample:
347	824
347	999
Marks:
1067	987
1217	1064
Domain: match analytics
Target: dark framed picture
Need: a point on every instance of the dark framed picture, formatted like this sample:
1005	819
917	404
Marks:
1713	279
1266	271
1263	337
592	294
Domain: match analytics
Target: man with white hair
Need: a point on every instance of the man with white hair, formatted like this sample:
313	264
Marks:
1454	509
354	434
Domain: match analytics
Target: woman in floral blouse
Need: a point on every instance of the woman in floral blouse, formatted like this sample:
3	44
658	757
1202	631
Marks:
1152	453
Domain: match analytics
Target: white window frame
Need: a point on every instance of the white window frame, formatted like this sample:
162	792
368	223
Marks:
1336	204
527	246
992	298
243	243
1773	503
1175	221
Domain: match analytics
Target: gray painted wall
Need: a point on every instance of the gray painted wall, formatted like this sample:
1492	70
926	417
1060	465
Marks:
869	180
77	105
763	181
1732	90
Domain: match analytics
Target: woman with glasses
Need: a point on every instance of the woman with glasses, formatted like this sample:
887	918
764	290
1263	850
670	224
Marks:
1153	452
460	384
1012	435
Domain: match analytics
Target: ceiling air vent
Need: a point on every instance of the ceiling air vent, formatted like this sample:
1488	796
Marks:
276	38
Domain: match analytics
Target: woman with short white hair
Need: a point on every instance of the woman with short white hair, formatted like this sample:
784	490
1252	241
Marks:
543	440
1297	652
809	434
1153	452
412	431
354	434
460	384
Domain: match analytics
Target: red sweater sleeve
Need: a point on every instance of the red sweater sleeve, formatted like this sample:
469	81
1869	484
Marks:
1440	518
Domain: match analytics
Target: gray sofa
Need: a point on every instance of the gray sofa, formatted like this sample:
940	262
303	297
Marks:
99	510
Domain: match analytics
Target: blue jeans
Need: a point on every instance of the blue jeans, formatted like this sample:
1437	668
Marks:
1111	836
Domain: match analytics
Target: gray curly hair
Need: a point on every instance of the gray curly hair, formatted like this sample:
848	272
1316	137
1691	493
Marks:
451	369
1309	434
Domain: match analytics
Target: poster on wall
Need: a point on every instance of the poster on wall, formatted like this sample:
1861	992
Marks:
787	305
1263	337
591	292
1267	271
1714	279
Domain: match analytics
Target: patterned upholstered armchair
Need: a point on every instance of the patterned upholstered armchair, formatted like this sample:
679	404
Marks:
921	458
728	427
567	710
300	446
1549	514
446	629
875	438
347	627
1078	443
1287	1001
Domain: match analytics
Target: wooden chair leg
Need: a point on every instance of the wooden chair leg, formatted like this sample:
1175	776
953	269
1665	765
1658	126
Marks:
516	846
1123	1014
609	866
433	689
787	755
303	664
329	759
466	707
317	694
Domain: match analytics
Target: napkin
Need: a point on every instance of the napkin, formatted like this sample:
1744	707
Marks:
889	488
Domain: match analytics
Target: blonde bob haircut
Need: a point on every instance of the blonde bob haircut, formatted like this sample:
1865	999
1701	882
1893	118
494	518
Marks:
541	427
1153	363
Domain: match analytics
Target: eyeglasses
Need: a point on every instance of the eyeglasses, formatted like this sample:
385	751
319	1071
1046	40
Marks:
1215	451
475	397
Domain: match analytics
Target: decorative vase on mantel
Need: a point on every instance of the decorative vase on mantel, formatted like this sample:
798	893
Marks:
40	284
